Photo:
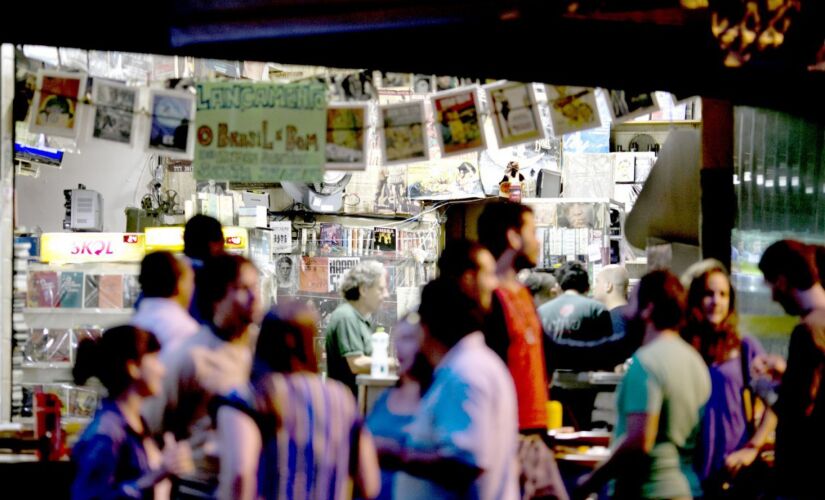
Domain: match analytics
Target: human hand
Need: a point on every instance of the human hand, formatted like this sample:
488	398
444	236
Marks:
770	366
177	456
740	459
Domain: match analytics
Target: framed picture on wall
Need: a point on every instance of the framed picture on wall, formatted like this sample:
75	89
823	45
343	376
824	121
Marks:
55	105
626	105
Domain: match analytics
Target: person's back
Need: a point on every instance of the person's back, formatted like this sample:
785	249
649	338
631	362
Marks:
311	446
575	317
469	413
347	334
678	386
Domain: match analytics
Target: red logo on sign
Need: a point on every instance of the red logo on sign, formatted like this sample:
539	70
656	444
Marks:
130	238
233	240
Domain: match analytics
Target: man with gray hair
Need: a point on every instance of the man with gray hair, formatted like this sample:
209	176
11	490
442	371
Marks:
348	335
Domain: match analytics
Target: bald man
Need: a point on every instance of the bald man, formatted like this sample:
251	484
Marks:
610	288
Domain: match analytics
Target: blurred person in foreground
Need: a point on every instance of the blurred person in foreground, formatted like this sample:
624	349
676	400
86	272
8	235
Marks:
735	425
228	297
512	329
116	456
659	403
395	408
790	270
289	433
464	436
167	284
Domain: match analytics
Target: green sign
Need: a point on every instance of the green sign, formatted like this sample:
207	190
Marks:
260	132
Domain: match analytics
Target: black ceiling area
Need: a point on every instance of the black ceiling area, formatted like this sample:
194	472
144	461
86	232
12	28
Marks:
632	44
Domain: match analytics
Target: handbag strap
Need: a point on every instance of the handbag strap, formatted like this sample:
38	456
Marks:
748	403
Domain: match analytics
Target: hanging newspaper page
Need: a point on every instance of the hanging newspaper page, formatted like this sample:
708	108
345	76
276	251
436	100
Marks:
259	132
54	108
458	121
170	133
572	109
402	133
515	114
346	134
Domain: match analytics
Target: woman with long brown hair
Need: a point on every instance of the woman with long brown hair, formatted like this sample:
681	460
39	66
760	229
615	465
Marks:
732	433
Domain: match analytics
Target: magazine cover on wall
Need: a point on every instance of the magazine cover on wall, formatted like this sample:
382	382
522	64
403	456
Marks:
445	179
423	84
403	135
457	120
285	274
391	194
173	115
356	86
625	105
114	118
55	109
580	215
346	131
587	175
572	109
515	114
396	80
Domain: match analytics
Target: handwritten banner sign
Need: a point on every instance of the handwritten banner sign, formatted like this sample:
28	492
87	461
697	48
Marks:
259	132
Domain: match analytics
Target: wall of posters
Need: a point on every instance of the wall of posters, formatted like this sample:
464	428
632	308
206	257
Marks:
514	112
346	132
403	133
625	105
256	132
55	104
457	121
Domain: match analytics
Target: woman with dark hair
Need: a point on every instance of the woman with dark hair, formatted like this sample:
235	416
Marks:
395	408
115	456
731	433
301	434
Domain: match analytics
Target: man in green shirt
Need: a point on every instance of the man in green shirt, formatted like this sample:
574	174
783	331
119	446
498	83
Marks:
348	335
659	403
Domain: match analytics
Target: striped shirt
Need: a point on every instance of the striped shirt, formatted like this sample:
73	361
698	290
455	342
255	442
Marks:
308	427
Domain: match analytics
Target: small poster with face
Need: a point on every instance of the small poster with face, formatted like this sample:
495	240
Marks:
515	114
457	121
625	105
423	84
55	104
172	128
346	131
114	112
572	109
403	133
285	271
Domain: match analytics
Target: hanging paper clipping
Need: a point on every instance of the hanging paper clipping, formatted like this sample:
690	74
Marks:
260	132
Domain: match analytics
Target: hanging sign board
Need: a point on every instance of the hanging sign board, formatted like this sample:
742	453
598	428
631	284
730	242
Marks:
260	132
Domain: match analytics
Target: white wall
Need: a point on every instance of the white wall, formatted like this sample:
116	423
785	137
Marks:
119	173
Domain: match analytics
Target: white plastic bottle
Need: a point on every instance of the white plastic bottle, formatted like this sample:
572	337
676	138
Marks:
380	355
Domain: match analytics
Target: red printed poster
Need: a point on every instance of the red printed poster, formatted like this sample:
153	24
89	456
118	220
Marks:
314	275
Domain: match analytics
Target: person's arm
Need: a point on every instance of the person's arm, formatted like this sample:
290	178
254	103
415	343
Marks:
746	455
239	442
432	465
359	363
369	474
97	462
632	448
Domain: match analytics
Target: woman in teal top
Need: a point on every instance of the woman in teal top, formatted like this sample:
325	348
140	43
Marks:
394	409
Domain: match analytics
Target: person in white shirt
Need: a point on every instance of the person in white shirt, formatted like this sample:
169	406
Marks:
167	284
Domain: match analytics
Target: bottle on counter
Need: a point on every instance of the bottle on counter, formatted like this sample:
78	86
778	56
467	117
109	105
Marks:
380	353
